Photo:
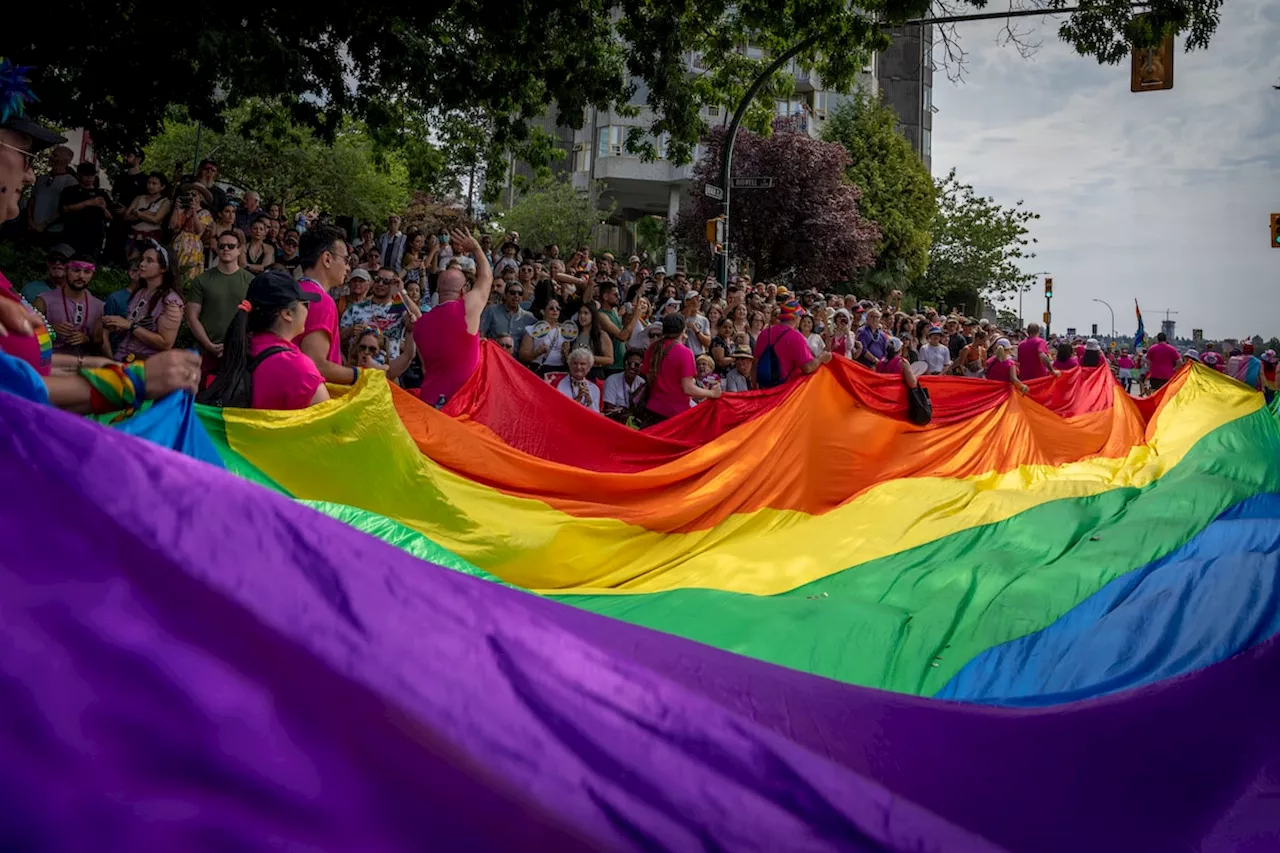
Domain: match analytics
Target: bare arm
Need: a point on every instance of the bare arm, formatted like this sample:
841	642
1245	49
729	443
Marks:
815	363
408	349
198	332
166	329
477	299
316	346
691	388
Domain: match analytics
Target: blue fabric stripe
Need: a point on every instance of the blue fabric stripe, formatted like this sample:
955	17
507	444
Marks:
173	423
1216	596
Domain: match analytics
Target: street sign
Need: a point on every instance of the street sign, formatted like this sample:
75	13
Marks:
752	183
1151	68
1071	331
1047	315
713	191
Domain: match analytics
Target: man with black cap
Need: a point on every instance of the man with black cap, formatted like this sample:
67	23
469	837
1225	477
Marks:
86	210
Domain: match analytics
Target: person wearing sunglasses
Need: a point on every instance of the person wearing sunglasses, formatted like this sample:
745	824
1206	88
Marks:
26	346
214	297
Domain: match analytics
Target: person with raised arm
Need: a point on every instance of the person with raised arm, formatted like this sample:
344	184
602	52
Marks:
448	337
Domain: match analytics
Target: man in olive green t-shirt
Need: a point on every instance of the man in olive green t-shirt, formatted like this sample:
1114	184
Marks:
214	297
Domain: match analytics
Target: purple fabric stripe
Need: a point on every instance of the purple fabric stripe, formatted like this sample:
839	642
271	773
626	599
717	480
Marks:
189	660
189	657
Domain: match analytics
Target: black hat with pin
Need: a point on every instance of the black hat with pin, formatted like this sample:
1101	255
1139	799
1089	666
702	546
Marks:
15	94
277	289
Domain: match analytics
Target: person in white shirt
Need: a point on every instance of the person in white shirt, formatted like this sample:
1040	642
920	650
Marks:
935	353
620	389
576	386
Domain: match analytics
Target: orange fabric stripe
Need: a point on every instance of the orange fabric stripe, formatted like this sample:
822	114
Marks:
814	452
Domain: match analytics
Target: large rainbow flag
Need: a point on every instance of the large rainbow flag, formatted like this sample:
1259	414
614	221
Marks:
786	620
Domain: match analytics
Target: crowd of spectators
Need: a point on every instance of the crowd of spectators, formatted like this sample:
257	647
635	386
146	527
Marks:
633	342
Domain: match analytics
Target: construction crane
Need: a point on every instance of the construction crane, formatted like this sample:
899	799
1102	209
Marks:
1165	311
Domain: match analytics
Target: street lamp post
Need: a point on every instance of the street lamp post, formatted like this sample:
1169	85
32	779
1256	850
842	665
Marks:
1113	316
730	135
1021	290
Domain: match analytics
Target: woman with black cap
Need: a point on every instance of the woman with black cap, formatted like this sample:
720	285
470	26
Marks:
23	333
670	375
261	367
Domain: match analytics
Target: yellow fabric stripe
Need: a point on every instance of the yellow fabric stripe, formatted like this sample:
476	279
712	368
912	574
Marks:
355	451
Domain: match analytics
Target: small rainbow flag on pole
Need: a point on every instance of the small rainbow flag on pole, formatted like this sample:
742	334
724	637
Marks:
1139	336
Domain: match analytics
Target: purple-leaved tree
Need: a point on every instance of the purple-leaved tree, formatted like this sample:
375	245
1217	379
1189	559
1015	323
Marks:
807	226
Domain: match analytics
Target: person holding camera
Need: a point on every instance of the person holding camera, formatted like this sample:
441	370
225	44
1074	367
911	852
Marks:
188	222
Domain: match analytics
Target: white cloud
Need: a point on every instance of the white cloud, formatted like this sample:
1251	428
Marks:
1160	196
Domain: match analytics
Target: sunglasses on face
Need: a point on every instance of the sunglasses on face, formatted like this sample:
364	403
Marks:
383	280
514	291
228	246
28	157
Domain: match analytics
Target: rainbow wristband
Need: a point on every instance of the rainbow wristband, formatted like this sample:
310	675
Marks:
116	387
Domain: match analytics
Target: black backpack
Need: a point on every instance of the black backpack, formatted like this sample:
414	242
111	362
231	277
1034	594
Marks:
241	395
769	368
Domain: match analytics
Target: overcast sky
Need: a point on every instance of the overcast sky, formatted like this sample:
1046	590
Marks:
1160	196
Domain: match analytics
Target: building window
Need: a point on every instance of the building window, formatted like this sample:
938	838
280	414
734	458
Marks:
928	98
713	111
611	141
926	143
661	146
820	103
582	157
754	53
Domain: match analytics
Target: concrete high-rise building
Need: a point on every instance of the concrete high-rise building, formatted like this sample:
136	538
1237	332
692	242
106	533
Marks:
597	152
904	73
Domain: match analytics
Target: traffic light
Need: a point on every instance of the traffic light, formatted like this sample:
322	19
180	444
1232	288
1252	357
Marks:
715	230
1048	286
1275	230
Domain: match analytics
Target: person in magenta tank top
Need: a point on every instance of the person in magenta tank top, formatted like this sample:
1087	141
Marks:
448	336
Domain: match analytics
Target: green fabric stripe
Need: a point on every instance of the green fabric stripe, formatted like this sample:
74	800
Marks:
909	621
211	420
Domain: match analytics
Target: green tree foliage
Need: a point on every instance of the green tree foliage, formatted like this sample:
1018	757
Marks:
553	211
263	150
977	246
119	67
652	236
897	190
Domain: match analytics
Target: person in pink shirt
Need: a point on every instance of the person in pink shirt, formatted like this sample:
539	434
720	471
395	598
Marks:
1066	359
322	253
782	346
261	367
1033	356
1003	367
671	375
448	336
1163	361
1126	367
